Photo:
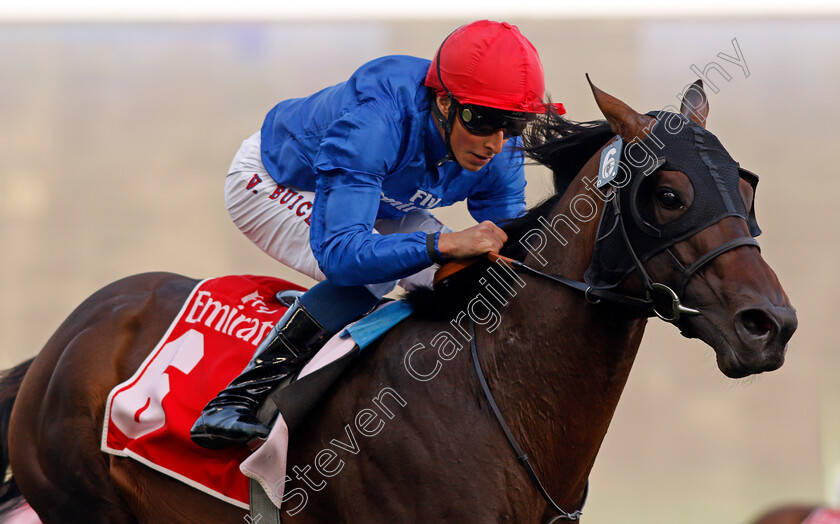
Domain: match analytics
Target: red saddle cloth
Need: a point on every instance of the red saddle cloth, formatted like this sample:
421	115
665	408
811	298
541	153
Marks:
149	416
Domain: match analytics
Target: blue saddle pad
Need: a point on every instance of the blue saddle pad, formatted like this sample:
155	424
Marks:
373	326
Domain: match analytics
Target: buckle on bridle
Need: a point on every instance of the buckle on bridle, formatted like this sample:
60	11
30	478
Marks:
677	309
588	297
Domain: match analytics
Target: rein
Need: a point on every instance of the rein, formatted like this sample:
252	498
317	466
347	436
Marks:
594	296
520	455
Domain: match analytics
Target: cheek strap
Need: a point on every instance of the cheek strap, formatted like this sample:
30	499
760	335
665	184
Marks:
705	259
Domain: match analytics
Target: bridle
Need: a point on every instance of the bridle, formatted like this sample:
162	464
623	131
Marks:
644	307
655	292
652	288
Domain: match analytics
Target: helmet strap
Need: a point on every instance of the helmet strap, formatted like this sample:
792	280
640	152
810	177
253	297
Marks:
445	123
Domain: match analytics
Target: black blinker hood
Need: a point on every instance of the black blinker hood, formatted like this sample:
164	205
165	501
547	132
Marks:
677	143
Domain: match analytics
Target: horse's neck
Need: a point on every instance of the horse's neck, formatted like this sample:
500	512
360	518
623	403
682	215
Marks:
561	363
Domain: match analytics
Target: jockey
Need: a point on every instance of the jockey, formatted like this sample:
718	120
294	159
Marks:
338	186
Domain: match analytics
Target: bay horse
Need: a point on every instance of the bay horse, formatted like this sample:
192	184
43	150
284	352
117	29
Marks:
555	358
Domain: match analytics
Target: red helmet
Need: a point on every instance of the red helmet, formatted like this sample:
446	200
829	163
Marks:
490	64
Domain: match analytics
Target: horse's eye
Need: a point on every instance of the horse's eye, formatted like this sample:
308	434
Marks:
668	199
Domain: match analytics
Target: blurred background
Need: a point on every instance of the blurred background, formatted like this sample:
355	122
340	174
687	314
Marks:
116	132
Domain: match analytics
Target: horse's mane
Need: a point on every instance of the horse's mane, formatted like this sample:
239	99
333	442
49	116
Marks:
563	146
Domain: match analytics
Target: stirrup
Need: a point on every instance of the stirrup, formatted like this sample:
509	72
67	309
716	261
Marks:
287	297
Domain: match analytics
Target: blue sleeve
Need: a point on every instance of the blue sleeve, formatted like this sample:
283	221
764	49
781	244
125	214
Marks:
357	152
502	196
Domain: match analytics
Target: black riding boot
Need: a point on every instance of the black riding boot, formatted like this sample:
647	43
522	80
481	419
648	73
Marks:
231	417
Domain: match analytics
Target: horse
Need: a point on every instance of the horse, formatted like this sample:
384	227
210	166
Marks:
551	344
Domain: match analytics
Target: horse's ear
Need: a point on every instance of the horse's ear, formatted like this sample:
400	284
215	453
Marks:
623	120
695	104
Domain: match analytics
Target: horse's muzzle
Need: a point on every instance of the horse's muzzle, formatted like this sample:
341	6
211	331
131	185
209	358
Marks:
764	333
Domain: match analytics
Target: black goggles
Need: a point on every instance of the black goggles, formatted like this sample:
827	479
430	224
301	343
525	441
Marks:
484	121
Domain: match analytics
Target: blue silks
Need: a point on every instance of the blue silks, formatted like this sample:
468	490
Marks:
369	147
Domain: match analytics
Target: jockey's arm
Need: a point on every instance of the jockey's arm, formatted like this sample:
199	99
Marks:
350	253
355	155
342	237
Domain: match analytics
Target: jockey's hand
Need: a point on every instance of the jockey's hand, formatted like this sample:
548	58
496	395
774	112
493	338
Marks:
477	240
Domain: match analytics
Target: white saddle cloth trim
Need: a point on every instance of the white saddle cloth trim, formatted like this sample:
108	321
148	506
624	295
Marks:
267	465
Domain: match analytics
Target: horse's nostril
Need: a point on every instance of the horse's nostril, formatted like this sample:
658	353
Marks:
756	322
